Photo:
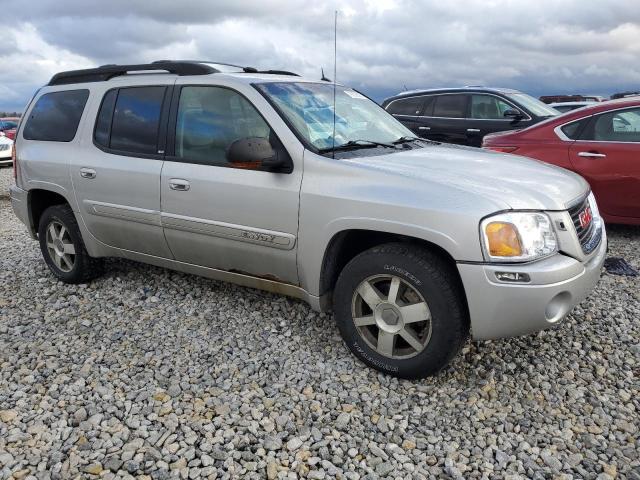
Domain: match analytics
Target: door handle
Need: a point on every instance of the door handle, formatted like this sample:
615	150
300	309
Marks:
424	128
473	130
87	173
591	155
179	185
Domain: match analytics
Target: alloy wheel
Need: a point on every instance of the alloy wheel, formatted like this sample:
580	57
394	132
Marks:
60	246
391	316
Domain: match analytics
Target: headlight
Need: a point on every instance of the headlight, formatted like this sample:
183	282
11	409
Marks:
517	237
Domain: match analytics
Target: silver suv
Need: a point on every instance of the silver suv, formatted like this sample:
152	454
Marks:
255	178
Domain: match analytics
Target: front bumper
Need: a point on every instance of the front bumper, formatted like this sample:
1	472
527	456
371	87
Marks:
557	284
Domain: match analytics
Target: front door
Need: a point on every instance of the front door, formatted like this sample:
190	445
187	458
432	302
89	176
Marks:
116	175
608	156
215	214
486	115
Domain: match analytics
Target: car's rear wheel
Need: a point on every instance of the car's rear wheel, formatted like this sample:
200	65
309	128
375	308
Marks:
401	310
62	246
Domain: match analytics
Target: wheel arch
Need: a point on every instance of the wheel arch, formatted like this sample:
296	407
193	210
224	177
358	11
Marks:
38	200
346	244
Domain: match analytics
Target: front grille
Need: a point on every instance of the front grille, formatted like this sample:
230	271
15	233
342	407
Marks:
588	235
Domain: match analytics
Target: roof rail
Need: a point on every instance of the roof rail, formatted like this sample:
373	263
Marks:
106	72
240	68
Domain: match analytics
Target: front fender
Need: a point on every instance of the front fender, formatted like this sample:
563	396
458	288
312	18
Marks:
312	248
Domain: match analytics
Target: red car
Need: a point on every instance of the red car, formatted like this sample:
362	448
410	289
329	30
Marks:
601	142
8	126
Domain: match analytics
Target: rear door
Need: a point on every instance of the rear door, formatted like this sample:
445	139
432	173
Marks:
116	176
607	154
448	122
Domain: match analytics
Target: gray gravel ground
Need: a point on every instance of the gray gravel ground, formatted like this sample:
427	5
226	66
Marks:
150	374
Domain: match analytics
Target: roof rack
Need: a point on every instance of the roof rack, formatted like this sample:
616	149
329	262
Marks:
105	72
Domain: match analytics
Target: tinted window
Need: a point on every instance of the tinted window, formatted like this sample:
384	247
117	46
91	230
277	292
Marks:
618	126
55	116
452	106
488	107
136	119
210	119
406	106
572	130
103	122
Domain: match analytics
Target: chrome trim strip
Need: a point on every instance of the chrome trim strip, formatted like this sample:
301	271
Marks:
123	212
241	233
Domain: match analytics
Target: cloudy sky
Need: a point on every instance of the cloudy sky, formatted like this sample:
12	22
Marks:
546	46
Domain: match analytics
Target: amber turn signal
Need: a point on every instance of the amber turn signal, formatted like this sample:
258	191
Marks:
503	240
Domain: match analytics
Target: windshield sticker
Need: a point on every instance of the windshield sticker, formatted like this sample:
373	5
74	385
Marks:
354	94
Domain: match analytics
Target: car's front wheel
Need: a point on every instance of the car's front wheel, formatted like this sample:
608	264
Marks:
401	310
62	246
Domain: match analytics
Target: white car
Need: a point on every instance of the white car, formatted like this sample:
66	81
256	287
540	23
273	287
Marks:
565	107
5	150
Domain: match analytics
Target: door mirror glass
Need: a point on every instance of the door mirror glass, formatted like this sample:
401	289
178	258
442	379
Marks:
253	153
513	113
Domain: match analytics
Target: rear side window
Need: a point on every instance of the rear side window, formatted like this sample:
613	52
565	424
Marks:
406	106
129	119
617	126
55	116
450	106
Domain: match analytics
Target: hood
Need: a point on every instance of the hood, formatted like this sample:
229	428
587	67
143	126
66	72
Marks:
515	182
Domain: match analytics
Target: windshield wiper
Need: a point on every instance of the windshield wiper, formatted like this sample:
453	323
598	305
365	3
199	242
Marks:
407	139
354	144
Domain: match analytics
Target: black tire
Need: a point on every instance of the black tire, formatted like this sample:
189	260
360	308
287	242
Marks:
430	276
85	267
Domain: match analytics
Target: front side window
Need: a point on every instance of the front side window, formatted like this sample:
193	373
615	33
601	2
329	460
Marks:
308	107
212	118
619	126
488	107
406	106
136	119
450	106
55	116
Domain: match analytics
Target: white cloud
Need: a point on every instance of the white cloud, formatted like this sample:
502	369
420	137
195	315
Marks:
383	45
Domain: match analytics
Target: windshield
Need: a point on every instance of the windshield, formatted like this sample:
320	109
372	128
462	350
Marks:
534	105
309	109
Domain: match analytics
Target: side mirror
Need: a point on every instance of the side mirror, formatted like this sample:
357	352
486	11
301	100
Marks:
254	153
513	113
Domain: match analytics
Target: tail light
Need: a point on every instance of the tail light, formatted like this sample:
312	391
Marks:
502	149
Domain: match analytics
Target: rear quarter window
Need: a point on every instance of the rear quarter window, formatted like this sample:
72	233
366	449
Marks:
55	116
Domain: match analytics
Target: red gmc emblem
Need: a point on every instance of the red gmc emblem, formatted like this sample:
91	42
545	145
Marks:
585	217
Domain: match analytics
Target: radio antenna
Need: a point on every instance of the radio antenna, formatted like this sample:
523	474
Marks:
335	56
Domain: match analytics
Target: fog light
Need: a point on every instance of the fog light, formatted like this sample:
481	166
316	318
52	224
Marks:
515	277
